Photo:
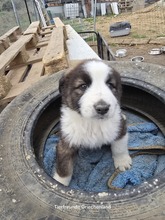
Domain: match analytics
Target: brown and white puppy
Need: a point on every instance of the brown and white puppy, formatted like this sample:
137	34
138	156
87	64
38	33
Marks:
90	116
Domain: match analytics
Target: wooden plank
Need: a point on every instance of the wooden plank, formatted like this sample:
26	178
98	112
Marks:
31	31
54	58
13	37
35	72
18	89
34	24
35	55
42	44
58	22
32	43
48	27
16	75
5	86
10	54
2	48
125	5
12	30
78	49
35	31
45	32
12	33
54	4
21	58
22	74
18	31
44	38
5	40
34	28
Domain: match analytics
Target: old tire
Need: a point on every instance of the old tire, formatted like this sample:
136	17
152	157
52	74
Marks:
27	192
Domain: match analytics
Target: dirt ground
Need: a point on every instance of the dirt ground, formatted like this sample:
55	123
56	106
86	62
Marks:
147	32
140	50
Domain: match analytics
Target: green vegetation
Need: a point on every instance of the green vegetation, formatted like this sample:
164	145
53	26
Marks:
79	24
161	35
138	36
7	6
113	44
88	20
7	16
90	38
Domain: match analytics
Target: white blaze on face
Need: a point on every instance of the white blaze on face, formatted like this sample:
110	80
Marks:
98	90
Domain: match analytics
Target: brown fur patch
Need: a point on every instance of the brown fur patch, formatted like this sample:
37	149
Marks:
65	158
123	128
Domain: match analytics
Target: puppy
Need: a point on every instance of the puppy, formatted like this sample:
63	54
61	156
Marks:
90	116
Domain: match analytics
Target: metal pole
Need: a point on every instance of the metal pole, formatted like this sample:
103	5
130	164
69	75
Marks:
15	13
28	11
84	8
94	14
40	13
35	10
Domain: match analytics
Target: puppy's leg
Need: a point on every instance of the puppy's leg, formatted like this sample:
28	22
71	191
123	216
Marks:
120	154
64	167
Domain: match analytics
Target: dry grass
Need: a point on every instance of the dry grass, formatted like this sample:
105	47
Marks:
146	23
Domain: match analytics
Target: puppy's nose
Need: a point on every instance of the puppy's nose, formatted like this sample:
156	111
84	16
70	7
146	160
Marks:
101	107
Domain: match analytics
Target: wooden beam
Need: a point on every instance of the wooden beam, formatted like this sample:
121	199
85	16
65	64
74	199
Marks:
58	22
11	53
5	86
54	58
16	75
12	33
18	89
34	24
2	48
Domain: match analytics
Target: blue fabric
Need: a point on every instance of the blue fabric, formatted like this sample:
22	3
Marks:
94	167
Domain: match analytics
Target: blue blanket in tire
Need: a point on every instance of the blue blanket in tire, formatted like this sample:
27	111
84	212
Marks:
94	167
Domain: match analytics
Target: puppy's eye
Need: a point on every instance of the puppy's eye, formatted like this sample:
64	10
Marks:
111	85
83	87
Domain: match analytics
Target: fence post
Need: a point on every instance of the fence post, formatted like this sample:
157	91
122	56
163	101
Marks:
15	13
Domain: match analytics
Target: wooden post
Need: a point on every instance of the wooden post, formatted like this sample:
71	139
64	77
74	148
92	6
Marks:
21	58
1	47
5	86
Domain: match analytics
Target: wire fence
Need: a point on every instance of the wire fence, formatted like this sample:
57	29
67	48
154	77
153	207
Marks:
148	22
18	16
152	20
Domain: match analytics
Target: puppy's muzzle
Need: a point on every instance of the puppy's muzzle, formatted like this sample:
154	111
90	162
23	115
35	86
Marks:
101	107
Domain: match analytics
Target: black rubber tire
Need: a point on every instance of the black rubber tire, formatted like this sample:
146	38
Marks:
27	192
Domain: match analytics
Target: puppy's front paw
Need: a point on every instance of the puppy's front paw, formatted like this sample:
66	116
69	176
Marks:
123	162
63	180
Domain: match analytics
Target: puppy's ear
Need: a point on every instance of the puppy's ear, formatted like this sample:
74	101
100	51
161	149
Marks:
61	84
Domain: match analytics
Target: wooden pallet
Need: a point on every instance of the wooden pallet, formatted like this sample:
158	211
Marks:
9	37
21	78
125	5
54	58
21	61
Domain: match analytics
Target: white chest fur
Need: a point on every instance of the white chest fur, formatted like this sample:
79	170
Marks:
91	133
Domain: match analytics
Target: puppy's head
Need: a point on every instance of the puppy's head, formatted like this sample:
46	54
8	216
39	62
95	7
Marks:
93	89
